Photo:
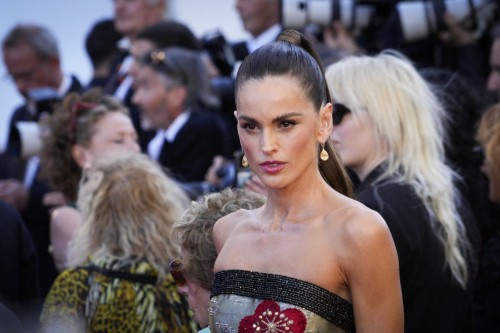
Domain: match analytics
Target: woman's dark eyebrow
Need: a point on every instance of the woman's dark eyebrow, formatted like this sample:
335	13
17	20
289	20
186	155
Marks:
247	118
275	120
286	116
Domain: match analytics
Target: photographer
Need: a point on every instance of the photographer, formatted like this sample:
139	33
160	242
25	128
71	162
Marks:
261	19
32	59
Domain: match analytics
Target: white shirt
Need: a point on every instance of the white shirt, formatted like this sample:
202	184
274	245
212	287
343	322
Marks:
264	38
61	91
34	162
125	85
64	86
156	144
267	36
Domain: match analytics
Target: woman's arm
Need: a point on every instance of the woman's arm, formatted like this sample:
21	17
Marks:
373	274
63	224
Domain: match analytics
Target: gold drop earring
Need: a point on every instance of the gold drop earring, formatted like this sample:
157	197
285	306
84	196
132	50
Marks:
324	154
244	160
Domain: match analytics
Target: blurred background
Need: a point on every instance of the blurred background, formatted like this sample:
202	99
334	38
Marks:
70	21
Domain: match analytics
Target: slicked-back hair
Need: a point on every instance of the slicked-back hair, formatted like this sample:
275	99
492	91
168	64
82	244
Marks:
185	67
293	56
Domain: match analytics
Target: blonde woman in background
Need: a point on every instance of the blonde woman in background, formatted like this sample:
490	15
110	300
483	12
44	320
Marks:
121	253
389	129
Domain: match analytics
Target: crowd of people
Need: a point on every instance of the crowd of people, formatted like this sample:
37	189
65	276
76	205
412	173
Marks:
321	184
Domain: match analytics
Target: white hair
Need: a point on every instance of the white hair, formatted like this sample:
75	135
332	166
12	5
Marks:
409	124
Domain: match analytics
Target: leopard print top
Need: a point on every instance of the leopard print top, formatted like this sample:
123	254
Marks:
115	296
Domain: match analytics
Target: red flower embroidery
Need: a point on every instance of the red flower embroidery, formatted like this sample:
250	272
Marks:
268	318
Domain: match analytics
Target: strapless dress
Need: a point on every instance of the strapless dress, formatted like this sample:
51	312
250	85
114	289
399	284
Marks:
245	301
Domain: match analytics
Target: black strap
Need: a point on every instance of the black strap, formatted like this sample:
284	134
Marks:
439	10
353	14
138	278
336	10
473	13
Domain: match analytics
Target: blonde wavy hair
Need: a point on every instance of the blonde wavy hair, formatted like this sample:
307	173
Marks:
193	231
409	125
128	207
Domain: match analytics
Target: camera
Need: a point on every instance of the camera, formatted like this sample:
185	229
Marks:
25	136
354	14
223	54
420	19
45	100
415	20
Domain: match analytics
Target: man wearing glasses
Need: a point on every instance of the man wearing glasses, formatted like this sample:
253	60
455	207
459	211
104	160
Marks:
32	60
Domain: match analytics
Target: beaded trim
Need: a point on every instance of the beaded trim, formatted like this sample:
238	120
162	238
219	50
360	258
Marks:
289	290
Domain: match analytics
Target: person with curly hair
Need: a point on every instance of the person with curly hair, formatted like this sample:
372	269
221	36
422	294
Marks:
78	131
120	255
194	274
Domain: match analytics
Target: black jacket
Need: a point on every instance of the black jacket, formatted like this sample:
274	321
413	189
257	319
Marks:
19	287
433	301
190	155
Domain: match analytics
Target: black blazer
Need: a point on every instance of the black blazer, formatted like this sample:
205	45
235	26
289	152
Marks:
19	287
433	301
190	155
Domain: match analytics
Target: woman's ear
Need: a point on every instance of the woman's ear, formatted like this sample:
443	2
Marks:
81	155
325	119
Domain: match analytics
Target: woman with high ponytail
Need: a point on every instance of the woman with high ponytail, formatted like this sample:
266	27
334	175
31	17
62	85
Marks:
311	258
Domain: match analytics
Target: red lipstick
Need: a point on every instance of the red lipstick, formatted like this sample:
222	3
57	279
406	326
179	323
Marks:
272	167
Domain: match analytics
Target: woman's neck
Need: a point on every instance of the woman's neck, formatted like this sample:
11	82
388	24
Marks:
364	170
301	200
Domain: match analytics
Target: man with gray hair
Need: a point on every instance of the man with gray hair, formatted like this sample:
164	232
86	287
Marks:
31	56
32	60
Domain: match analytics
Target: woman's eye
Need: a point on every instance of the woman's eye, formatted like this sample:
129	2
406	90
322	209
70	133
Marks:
118	142
249	126
287	124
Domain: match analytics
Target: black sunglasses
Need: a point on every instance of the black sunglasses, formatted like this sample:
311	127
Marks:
175	268
339	111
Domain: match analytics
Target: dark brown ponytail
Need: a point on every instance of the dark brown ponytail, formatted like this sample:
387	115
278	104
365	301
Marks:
294	56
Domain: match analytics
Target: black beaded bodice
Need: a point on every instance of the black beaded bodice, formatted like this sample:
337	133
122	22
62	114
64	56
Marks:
289	290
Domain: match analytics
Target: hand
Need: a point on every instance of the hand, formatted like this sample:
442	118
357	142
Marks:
211	175
456	35
15	193
255	184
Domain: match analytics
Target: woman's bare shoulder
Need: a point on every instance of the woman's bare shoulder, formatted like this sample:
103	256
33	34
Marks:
359	224
227	224
65	216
